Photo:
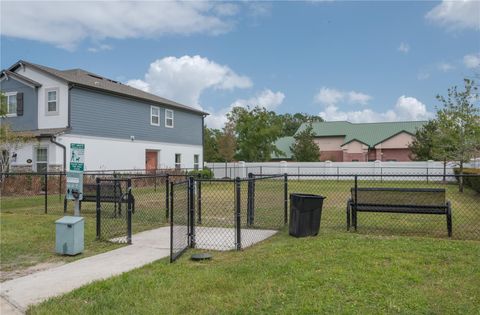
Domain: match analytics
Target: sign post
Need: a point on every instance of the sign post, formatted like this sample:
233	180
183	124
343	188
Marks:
75	175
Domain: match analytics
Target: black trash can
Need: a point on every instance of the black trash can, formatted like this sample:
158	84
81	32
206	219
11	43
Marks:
305	214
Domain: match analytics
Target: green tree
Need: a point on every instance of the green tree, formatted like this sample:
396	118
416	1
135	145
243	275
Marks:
459	124
257	130
290	123
422	146
210	145
227	143
304	149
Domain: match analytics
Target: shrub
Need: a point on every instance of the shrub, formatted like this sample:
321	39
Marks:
206	173
473	181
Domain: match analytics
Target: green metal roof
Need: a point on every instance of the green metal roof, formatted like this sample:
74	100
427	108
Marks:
370	134
283	144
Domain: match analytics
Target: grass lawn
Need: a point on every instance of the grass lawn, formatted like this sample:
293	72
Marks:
27	236
336	272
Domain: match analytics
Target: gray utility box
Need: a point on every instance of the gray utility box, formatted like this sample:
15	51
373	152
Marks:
69	235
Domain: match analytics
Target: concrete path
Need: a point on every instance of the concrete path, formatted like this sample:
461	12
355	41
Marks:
147	247
32	289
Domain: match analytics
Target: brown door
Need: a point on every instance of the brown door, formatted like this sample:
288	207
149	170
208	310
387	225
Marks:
151	161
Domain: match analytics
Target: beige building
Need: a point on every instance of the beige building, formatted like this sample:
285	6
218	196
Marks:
342	141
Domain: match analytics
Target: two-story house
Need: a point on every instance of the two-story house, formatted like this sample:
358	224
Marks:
120	126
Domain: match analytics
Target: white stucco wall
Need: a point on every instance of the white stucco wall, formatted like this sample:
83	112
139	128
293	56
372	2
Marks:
108	153
47	81
112	154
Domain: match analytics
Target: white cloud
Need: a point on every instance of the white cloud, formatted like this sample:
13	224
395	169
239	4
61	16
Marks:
423	75
330	96
404	47
66	23
102	47
406	108
472	61
184	79
456	15
267	99
445	66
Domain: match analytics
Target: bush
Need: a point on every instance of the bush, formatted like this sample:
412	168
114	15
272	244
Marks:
206	173
472	181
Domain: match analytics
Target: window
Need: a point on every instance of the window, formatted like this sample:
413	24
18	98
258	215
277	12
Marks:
178	160
195	161
155	115
391	160
41	159
169	118
52	101
11	103
354	160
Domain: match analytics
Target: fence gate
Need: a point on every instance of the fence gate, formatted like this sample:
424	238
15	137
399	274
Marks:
181	223
114	206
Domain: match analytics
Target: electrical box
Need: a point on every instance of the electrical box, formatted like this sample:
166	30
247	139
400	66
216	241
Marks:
69	235
74	185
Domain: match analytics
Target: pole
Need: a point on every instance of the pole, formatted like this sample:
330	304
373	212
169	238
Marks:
285	198
237	213
129	212
98	208
249	199
46	192
191	203
167	196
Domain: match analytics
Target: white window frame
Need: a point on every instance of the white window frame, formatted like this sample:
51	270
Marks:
57	101
152	115
179	164
8	95
166	118
196	165
35	162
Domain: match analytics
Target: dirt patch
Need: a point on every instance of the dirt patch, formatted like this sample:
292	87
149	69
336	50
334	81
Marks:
12	274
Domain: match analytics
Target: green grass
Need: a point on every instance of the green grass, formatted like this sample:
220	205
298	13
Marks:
336	272
27	235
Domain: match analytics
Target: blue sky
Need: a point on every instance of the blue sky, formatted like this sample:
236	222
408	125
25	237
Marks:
357	61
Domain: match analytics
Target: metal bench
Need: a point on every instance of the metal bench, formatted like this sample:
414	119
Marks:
109	193
399	200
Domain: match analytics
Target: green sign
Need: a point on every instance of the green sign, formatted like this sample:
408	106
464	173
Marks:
77	157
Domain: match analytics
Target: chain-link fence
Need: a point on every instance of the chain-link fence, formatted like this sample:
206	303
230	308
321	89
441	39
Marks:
396	205
179	218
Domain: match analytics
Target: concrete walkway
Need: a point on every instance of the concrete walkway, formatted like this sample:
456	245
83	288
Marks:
32	289
147	247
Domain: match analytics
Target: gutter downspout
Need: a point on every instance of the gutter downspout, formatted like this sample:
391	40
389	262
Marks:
52	140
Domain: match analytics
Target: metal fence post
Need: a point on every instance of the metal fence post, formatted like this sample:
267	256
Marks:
249	199
199	201
129	212
237	213
355	204
98	208
285	196
46	193
155	179
172	216
167	196
191	215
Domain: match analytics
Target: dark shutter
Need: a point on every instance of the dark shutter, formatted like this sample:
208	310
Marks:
19	104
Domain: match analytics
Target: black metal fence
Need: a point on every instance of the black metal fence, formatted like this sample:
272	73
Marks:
180	218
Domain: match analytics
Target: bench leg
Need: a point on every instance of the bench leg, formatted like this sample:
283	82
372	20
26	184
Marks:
354	218
449	220
348	215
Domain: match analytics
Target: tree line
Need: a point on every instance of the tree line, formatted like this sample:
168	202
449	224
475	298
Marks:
250	134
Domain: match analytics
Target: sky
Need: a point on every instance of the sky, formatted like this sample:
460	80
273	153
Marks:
357	61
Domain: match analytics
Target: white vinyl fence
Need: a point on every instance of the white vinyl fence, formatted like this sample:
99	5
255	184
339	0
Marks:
241	169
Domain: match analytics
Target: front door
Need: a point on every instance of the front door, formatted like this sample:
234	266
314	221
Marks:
151	161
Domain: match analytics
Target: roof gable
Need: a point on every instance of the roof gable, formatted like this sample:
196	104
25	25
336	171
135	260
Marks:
93	81
370	134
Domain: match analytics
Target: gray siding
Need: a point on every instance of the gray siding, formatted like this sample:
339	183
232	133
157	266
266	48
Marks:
29	119
106	115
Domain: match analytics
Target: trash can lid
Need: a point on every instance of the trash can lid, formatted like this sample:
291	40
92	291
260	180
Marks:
301	195
69	220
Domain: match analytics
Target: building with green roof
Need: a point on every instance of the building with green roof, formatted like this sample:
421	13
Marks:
343	141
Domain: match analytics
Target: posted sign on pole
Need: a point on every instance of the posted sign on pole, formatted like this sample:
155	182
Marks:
77	157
